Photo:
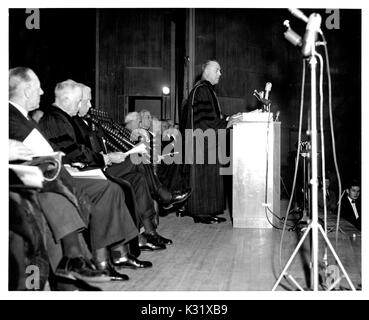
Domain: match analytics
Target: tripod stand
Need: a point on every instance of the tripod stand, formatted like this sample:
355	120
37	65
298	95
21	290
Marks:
314	227
304	148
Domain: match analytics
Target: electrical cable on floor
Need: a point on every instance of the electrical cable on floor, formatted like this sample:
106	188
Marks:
280	220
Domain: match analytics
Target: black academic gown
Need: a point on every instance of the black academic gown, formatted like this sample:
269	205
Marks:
73	137
202	111
110	220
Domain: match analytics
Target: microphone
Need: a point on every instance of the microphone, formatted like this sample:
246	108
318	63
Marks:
312	27
268	88
291	35
299	14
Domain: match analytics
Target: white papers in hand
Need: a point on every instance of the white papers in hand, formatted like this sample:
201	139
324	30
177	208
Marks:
86	174
30	175
37	143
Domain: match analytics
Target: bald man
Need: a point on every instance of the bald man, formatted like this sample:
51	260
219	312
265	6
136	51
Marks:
203	112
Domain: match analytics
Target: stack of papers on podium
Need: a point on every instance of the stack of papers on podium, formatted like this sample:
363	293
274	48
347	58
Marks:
257	116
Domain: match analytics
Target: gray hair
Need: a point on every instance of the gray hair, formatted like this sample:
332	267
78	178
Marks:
131	116
64	87
206	64
143	111
17	76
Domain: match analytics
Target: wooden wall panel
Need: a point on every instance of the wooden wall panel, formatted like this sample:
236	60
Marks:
148	85
250	46
242	44
134	56
251	49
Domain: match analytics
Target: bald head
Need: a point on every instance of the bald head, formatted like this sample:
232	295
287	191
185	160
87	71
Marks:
24	88
68	96
211	71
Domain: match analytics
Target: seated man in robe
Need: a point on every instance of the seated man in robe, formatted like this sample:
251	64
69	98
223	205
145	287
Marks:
111	227
72	135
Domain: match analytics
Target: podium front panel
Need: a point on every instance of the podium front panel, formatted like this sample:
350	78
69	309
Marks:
254	197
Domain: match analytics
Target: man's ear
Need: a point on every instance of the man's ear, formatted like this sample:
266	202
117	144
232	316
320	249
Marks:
27	91
347	191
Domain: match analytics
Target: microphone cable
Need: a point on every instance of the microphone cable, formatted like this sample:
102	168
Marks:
332	133
297	160
322	145
265	204
321	95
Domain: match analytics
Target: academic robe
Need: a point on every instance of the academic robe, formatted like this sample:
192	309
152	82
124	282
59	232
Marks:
110	220
72	136
122	172
202	111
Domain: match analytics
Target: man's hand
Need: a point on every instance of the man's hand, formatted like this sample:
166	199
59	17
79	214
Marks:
107	160
236	116
117	157
234	119
18	151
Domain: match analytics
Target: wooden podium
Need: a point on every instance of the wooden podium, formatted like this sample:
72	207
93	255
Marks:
249	166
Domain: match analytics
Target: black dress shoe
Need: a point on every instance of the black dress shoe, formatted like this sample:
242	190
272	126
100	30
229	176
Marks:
161	239
110	272
79	268
151	243
131	262
219	219
166	209
205	220
208	220
180	197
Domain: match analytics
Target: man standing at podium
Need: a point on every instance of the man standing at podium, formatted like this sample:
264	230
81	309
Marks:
202	111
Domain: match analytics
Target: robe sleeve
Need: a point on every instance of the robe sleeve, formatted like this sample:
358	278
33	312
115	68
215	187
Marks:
204	114
60	133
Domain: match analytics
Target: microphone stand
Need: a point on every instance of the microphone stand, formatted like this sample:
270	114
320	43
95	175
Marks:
313	226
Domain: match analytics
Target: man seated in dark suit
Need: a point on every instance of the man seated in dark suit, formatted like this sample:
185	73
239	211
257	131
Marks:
161	141
111	227
70	134
351	204
149	129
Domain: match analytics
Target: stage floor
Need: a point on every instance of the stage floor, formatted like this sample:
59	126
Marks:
222	258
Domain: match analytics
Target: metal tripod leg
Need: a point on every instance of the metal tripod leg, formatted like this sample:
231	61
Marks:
283	273
336	257
292	257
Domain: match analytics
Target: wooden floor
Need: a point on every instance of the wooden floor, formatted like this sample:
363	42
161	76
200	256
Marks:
222	258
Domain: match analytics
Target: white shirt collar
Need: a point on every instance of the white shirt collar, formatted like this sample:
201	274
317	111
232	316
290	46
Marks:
20	109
